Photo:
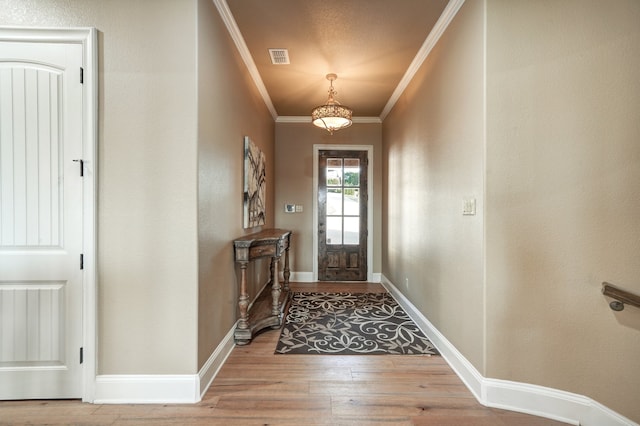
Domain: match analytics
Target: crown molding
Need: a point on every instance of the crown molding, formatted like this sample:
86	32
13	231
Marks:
441	25
366	120
294	119
438	29
234	31
307	119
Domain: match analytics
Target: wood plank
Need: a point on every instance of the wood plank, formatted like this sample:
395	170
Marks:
409	388
291	374
381	406
257	387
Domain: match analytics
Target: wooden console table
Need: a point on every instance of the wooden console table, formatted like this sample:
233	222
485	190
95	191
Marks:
266	310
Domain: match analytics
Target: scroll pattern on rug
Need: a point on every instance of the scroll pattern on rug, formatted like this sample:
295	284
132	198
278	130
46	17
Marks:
350	324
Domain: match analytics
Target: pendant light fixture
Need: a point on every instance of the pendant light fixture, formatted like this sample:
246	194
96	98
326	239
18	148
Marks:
332	116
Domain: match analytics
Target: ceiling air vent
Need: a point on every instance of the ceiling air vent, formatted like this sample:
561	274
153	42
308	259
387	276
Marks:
279	56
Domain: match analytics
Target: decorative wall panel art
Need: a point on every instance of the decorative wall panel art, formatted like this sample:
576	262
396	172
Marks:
254	184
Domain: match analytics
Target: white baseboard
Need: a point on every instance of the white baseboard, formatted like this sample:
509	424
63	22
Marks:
147	389
307	277
163	388
302	277
210	369
514	396
551	403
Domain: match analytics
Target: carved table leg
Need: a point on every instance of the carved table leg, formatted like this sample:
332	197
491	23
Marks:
275	288
242	333
287	273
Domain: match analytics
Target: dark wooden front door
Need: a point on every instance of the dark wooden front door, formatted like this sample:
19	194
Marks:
342	215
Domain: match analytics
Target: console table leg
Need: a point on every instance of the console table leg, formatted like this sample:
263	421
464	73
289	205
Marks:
275	288
243	333
286	273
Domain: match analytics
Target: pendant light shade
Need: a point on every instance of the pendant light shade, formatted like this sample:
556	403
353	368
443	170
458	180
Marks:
332	116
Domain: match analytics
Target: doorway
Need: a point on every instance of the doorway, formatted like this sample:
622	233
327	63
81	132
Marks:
47	213
342	213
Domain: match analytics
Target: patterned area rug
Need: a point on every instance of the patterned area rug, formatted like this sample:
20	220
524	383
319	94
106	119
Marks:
350	324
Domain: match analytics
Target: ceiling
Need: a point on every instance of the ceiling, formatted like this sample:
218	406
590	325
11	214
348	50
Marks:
370	44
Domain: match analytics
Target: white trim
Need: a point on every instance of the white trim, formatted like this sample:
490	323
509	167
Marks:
234	31
307	277
303	119
307	119
88	38
164	388
514	396
441	25
366	120
551	403
463	368
212	367
147	389
48	35
369	149
90	214
484	187
438	29
301	277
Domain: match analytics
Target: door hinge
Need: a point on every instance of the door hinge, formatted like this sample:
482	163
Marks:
82	261
81	75
81	166
81	355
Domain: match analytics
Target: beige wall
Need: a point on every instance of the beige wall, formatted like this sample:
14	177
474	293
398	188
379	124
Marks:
294	183
563	195
434	152
560	170
147	236
229	108
175	103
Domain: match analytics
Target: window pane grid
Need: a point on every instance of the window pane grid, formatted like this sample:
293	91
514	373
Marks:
343	201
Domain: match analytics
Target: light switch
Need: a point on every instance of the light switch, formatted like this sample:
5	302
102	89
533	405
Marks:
469	206
298	208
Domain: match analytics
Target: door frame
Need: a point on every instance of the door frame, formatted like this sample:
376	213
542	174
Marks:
316	155
88	39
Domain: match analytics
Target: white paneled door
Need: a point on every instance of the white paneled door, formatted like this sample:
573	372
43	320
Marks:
41	220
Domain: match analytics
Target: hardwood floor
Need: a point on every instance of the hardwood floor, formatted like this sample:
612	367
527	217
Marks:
256	387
